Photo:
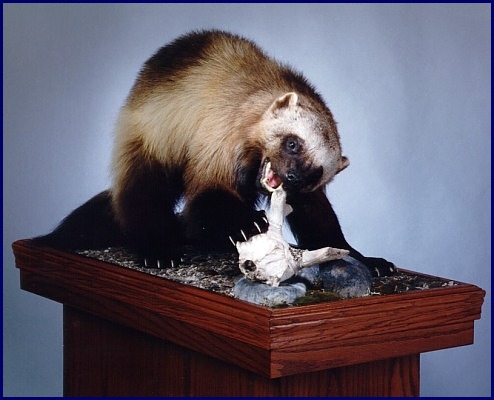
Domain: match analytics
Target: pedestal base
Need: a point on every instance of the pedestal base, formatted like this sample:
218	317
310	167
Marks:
128	333
102	358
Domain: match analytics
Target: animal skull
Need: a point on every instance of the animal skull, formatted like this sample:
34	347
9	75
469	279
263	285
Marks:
268	258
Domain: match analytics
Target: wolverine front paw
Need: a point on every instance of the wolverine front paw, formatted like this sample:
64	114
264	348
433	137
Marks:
379	266
258	224
160	263
160	260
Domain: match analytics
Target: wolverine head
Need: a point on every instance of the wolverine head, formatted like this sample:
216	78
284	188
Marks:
302	149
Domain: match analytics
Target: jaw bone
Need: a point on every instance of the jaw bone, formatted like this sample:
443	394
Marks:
268	258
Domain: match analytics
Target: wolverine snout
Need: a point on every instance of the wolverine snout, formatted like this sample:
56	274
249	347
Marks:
300	179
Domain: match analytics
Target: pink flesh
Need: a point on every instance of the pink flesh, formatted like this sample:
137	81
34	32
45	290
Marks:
273	180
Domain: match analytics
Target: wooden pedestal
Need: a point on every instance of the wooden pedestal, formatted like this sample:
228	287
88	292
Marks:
128	333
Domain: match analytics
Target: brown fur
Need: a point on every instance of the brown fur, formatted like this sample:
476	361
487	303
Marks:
207	116
202	112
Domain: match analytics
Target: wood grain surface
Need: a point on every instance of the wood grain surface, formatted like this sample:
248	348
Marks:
273	343
107	359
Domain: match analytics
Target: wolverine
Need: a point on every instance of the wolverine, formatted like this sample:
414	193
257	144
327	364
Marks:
211	122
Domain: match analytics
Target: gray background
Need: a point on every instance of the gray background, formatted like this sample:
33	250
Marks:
408	84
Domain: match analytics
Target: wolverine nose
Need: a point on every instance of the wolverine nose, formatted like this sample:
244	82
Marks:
291	176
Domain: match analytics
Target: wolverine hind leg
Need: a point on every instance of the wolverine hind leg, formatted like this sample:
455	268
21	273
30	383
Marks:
90	226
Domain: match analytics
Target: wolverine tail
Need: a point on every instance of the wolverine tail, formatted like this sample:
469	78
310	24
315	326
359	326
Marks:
91	226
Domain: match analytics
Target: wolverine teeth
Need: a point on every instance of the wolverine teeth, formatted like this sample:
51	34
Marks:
264	180
266	186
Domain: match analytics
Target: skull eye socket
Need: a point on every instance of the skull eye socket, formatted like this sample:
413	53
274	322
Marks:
249	265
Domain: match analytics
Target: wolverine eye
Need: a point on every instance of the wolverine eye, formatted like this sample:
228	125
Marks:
292	145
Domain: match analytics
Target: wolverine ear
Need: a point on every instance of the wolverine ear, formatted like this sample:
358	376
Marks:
289	99
344	162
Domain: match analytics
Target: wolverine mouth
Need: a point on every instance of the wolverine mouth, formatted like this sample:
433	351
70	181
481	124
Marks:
269	179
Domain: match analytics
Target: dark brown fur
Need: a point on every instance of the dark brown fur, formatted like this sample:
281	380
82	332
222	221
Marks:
205	115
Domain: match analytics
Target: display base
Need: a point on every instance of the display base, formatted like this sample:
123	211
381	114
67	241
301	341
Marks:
131	333
119	361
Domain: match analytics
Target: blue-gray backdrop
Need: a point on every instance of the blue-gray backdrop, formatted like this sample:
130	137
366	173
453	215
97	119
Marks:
408	84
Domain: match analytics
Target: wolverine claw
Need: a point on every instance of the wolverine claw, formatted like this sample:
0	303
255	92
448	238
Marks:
379	267
258	224
160	263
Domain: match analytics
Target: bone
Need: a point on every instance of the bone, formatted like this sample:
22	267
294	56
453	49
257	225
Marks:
312	257
274	259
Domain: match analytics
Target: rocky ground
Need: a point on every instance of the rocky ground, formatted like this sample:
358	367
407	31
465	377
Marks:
217	272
